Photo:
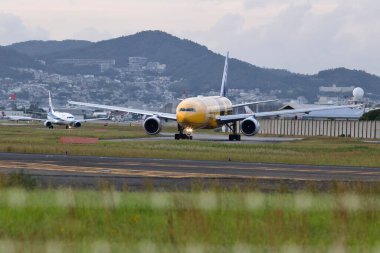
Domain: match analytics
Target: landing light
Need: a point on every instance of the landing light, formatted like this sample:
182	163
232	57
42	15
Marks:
188	130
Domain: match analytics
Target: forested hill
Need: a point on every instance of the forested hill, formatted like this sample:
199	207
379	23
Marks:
38	48
201	69
10	59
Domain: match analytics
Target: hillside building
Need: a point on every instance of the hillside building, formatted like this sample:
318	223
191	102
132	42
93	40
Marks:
336	89
104	64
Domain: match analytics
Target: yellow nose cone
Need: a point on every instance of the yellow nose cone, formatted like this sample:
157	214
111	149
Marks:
191	113
181	117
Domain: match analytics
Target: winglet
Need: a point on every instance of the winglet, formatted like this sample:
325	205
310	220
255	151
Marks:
223	88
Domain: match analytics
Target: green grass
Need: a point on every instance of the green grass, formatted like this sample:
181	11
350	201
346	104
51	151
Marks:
213	221
318	150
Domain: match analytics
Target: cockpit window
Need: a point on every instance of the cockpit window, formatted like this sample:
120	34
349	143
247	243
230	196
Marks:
187	109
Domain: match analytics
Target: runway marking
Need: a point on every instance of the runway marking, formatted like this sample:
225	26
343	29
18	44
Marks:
48	166
256	168
122	171
209	166
100	170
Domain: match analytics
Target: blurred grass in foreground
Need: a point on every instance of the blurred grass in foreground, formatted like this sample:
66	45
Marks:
67	220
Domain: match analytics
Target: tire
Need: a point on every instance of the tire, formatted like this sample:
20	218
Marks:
234	137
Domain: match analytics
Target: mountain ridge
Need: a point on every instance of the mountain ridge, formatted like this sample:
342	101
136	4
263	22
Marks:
200	69
37	48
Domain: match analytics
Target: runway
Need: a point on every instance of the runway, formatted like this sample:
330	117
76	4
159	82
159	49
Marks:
88	170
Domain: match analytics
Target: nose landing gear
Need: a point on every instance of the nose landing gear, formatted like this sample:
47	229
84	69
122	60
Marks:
181	135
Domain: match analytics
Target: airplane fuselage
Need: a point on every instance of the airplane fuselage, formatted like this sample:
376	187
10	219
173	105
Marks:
201	112
61	118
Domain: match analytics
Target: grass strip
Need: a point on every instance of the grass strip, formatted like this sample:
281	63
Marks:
314	151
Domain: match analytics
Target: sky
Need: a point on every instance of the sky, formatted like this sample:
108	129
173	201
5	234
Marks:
303	36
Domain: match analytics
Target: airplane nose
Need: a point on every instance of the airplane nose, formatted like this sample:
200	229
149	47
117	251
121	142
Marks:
181	117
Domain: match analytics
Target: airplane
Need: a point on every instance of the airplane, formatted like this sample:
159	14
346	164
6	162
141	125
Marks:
63	118
207	112
16	118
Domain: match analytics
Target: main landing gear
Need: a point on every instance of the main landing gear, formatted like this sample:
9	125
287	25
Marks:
234	136
181	135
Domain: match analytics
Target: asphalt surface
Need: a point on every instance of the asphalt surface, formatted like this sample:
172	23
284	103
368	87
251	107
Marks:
83	171
163	136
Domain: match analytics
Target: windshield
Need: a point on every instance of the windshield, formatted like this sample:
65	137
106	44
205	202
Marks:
187	109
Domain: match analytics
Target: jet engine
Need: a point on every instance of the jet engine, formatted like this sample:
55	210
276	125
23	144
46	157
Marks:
250	126
48	124
77	124
152	125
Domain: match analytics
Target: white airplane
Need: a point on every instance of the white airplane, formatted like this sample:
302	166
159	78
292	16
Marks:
16	118
207	112
63	118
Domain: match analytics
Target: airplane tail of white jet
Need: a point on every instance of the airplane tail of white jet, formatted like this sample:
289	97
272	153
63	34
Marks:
51	109
223	88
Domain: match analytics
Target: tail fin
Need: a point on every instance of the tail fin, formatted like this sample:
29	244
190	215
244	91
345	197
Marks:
223	88
248	110
51	109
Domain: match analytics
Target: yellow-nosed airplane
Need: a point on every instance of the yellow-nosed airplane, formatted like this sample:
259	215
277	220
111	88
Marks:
207	112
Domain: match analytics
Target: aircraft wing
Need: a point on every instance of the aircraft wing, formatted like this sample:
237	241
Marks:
125	109
35	119
21	118
238	117
254	103
94	119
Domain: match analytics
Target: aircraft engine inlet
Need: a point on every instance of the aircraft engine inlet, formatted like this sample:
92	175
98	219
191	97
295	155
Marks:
250	126
77	124
152	125
48	124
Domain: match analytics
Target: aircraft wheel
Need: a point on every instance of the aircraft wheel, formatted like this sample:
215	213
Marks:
234	137
183	137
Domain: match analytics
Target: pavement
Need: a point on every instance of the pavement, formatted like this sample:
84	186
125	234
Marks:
213	138
82	171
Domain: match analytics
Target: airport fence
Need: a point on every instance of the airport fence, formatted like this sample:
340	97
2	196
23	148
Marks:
312	127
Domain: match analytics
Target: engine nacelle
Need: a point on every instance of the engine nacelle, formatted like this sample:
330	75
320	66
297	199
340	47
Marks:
152	125
250	126
77	124
48	123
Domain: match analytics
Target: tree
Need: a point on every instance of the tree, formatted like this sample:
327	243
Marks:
371	115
